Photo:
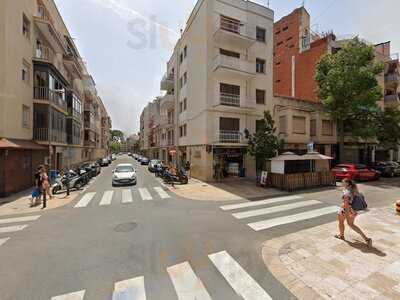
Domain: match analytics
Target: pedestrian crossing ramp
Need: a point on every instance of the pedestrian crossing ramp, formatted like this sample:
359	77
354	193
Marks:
122	196
187	284
294	208
13	225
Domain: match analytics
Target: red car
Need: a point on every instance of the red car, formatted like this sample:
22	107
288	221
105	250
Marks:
355	172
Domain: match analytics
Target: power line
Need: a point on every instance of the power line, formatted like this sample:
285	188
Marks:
324	11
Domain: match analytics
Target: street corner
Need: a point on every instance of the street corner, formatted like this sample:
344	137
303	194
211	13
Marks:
21	205
312	264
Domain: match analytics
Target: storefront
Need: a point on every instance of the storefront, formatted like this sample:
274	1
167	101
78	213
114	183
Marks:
228	162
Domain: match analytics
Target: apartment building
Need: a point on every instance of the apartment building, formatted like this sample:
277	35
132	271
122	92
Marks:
297	50
218	83
42	93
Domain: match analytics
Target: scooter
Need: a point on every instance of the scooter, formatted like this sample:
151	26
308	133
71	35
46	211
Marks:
170	178
71	178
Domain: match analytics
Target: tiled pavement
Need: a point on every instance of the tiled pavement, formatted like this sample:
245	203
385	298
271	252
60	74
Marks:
312	264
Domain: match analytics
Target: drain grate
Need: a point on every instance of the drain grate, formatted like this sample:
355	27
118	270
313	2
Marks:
125	227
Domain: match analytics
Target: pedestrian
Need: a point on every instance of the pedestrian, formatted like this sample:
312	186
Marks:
347	213
187	169
45	186
37	192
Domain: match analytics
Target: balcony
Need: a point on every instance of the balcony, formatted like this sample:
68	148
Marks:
91	144
229	137
168	82
56	98
43	134
73	65
233	100
233	32
44	54
73	113
392	80
231	66
166	143
45	24
165	121
167	102
392	101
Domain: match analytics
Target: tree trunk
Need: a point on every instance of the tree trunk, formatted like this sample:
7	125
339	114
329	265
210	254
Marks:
341	140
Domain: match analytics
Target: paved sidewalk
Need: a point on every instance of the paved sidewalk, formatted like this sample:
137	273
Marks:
19	203
225	191
312	264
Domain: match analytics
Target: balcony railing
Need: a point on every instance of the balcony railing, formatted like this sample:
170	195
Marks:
55	135
392	78
167	82
229	99
55	97
73	113
44	53
230	30
391	98
229	137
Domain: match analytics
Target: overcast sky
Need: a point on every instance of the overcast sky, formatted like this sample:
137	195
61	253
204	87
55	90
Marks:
126	43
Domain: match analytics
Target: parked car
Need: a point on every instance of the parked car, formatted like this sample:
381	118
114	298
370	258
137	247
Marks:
129	154
104	162
124	174
109	159
113	157
96	167
355	172
144	161
153	165
89	169
139	158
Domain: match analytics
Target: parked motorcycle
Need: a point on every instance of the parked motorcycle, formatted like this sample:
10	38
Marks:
180	177
71	178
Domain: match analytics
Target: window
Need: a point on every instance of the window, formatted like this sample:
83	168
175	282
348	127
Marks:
25	72
260	96
299	125
279	43
327	127
26	27
278	63
289	38
229	53
285	28
282	124
260	65
229	124
185	78
181	58
229	94
184	104
185	51
180	82
278	32
180	107
183	130
26	116
313	127
260	34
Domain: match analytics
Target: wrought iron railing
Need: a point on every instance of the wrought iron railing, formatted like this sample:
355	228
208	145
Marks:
229	136
229	99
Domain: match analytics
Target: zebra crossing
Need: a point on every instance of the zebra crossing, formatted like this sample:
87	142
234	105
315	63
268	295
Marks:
124	196
187	284
268	207
8	225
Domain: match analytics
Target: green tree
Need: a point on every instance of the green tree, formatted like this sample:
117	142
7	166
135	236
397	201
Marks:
347	85
388	128
264	144
115	147
116	135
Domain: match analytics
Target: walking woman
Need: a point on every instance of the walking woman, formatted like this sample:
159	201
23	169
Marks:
46	186
346	212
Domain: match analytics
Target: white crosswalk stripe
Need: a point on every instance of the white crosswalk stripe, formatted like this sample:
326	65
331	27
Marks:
163	194
275	209
261	225
19	220
127	196
130	289
71	296
144	193
12	228
107	198
187	285
85	200
243	284
3	241
259	203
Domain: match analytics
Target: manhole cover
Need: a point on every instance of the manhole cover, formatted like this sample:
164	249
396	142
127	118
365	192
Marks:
125	227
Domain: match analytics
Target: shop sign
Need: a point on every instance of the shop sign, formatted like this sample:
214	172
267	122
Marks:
264	177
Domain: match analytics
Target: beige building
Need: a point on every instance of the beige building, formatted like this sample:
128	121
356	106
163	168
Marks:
42	92
218	83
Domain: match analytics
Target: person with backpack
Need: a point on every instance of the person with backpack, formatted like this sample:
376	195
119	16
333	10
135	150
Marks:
353	201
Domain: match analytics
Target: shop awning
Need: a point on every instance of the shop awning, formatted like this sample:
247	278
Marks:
316	156
287	156
15	144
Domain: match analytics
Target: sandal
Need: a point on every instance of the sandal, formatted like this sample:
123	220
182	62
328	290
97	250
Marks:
340	237
369	243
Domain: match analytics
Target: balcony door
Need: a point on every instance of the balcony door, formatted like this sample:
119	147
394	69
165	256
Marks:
229	94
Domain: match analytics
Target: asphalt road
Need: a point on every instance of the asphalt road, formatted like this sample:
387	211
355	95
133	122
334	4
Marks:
145	243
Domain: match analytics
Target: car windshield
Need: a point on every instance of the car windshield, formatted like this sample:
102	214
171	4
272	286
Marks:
124	169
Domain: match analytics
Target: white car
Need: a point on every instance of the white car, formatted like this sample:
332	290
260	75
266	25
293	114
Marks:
124	174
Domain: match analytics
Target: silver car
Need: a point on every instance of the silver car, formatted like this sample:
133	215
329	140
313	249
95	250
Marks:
124	174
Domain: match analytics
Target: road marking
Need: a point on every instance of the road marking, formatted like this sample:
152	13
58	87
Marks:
187	285
293	218
144	193
243	284
21	219
271	210
127	196
163	194
72	296
258	203
130	289
85	200
3	241
12	228
107	198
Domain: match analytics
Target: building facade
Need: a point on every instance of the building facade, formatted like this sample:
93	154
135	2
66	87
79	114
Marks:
218	83
42	92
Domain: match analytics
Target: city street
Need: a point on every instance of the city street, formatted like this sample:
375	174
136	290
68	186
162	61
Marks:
142	242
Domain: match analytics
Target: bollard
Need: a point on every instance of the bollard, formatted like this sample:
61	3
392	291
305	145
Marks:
398	207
